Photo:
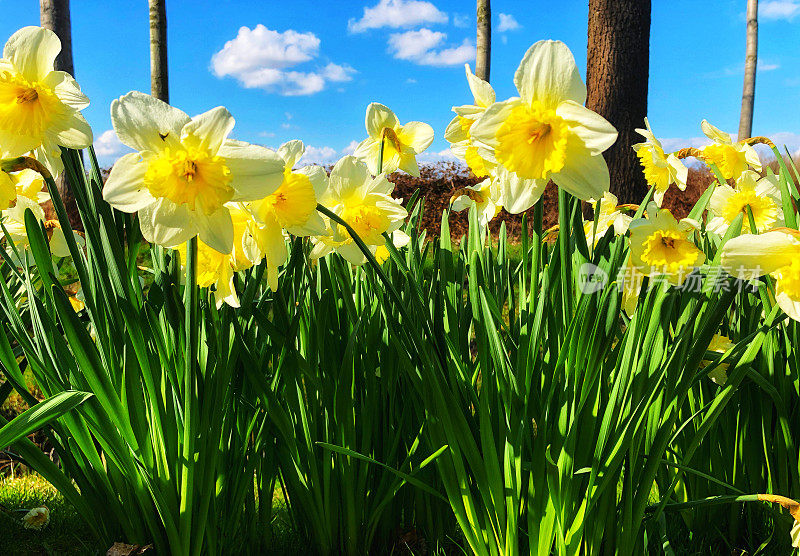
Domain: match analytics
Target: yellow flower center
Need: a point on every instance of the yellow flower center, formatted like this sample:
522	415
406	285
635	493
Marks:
476	162
465	123
391	142
532	142
730	160
765	210
292	203
655	175
668	250
190	177
789	280
26	108
369	222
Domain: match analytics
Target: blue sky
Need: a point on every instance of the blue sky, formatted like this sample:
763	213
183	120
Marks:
306	69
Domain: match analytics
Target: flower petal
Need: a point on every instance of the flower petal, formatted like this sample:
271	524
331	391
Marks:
291	151
208	130
482	92
417	135
548	74
257	171
145	123
167	224
585	175
593	129
125	189
67	89
216	230
379	117
484	130
714	133
32	51
750	256
72	131
519	194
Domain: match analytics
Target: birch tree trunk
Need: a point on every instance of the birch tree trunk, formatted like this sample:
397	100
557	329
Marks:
617	69
750	63
159	75
484	40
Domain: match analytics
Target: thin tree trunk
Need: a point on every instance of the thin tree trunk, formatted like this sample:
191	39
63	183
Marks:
159	75
750	63
616	80
484	40
54	15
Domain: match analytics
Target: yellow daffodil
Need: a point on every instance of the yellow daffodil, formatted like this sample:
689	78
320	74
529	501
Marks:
776	253
795	535
26	183
484	196
660	246
630	283
365	204
719	373
36	519
457	132
14	222
39	108
258	241
731	158
547	133
660	170
213	269
293	206
761	195
607	217
185	171
401	143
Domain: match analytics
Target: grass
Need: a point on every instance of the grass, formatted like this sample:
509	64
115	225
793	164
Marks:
65	534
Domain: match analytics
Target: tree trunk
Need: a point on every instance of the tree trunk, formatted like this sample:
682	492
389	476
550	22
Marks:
750	63
616	80
54	15
484	40
159	76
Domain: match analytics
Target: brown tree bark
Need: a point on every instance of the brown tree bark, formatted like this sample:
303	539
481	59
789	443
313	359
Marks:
750	63
617	69
484	40
159	75
54	15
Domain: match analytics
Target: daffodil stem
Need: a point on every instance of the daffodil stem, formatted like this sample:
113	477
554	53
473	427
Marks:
380	155
190	365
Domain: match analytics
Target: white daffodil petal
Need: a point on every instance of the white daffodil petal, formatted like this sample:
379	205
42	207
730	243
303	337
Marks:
67	89
585	175
291	151
417	135
750	256
216	230
257	171
484	130
482	92
125	189
208	130
165	223
378	117
145	123
74	132
519	194
595	131
32	51
548	74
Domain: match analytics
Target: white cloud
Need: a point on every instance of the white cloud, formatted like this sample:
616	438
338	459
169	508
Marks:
433	156
319	155
266	134
788	138
350	148
396	14
461	20
672	144
779	9
507	23
424	47
262	58
411	80
109	148
766	66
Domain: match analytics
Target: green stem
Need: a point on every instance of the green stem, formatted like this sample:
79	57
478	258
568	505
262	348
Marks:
190	365
380	155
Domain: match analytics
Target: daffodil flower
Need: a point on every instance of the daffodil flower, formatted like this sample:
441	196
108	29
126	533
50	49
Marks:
39	108
364	202
14	222
660	245
37	518
484	196
457	132
660	170
25	183
730	158
547	133
258	241
761	195
719	373
213	269
776	253
185	171
401	143
609	216
399	239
